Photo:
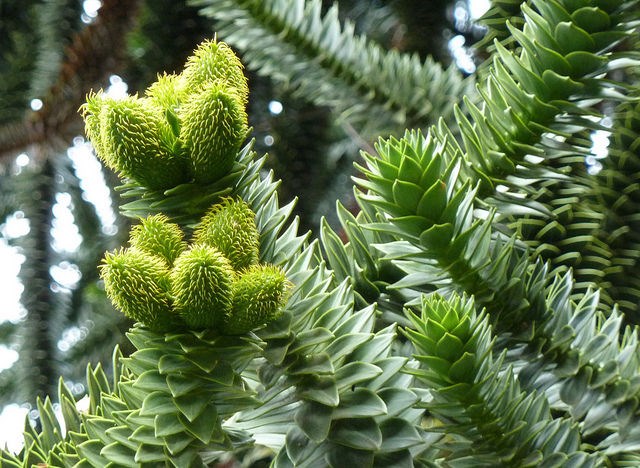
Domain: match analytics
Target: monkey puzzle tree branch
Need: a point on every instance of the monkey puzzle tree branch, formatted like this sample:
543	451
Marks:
95	52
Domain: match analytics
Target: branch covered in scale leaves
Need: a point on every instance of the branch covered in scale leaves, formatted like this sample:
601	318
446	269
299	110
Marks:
489	419
443	246
528	139
170	398
375	90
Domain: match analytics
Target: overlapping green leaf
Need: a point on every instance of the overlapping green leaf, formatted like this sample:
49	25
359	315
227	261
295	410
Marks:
375	90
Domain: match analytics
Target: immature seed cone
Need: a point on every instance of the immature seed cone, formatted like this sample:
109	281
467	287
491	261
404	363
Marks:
165	95
157	236
164	92
202	281
231	227
138	284
91	113
215	62
131	142
258	298
213	127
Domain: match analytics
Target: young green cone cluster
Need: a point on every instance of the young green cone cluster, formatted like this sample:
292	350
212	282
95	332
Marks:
216	282
186	127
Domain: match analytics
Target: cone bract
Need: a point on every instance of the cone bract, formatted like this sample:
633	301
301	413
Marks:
231	228
157	236
202	281
91	113
164	92
138	284
258	297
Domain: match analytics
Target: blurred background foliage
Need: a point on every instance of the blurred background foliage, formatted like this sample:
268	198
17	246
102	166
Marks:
58	206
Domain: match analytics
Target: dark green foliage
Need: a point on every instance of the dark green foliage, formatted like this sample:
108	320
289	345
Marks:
481	238
315	176
426	26
162	26
341	70
37	342
479	400
58	20
618	191
16	61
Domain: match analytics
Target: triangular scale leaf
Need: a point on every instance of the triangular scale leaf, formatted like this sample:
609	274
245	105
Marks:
359	403
192	404
314	419
362	434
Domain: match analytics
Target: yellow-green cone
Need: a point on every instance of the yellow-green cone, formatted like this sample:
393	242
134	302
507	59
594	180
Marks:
215	62
202	281
138	284
213	127
164	95
258	298
91	113
132	135
164	92
157	236
231	227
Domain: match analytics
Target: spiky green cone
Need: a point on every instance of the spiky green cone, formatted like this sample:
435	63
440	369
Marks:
215	62
90	111
230	226
157	236
201	283
138	284
134	144
164	92
213	126
258	297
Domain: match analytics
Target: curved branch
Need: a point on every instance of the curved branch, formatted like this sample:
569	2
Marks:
94	53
